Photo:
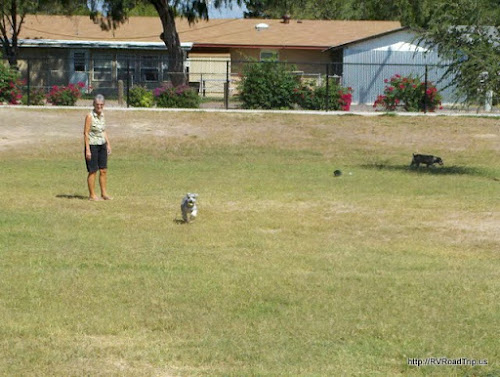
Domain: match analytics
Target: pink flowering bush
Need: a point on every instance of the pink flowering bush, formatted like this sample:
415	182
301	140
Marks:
37	97
65	95
181	96
10	85
408	93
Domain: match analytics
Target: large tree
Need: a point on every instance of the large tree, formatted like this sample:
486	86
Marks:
110	13
13	12
467	34
113	12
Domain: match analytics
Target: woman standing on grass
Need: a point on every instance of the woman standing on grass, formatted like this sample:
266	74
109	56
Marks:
97	148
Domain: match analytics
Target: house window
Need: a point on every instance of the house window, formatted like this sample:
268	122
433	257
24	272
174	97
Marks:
79	62
269	55
102	67
124	63
150	69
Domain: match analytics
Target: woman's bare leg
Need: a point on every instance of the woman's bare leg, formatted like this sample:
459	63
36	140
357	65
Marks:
103	181
91	185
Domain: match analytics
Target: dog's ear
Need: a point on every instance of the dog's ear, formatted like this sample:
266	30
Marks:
195	195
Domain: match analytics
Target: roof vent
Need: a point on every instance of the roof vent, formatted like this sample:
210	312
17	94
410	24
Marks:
261	26
286	18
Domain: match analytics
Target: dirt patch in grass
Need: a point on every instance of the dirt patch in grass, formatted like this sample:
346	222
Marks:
471	227
22	126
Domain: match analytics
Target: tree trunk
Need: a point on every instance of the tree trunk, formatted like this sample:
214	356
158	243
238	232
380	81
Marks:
14	49
12	58
9	24
10	54
171	39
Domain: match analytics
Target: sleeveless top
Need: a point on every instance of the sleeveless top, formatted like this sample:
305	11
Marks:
97	128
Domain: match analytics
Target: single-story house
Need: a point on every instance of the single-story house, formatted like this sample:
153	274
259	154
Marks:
64	49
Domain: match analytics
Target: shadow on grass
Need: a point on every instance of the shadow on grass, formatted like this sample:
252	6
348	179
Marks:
181	221
436	170
74	196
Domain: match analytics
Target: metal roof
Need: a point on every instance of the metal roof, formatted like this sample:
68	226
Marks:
62	43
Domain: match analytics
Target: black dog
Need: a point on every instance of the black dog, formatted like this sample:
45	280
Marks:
426	159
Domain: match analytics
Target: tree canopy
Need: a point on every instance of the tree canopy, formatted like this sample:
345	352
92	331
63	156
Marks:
13	12
467	34
409	12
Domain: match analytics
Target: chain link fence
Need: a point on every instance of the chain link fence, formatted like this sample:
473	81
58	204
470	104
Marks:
216	80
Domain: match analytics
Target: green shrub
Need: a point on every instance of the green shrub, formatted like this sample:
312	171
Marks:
10	85
65	95
37	97
311	97
268	85
140	97
176	96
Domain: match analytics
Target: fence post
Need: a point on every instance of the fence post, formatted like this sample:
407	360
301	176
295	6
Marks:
29	82
226	87
425	90
120	92
128	81
202	85
327	104
488	101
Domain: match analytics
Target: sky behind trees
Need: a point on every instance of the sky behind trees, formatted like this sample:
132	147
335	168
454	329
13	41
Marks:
235	12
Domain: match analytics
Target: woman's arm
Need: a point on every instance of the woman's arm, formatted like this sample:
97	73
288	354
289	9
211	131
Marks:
108	144
86	131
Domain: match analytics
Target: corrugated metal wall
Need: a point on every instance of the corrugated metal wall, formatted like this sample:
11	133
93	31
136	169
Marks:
365	71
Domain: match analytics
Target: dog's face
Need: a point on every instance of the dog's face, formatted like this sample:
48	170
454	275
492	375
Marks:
438	160
190	199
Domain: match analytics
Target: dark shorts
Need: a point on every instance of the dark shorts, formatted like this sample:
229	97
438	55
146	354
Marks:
98	159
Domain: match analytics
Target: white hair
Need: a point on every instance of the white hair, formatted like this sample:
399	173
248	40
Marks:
99	98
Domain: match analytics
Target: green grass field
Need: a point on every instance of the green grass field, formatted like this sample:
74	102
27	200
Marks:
287	270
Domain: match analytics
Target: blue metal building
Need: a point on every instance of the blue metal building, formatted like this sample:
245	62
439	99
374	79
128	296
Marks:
367	63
